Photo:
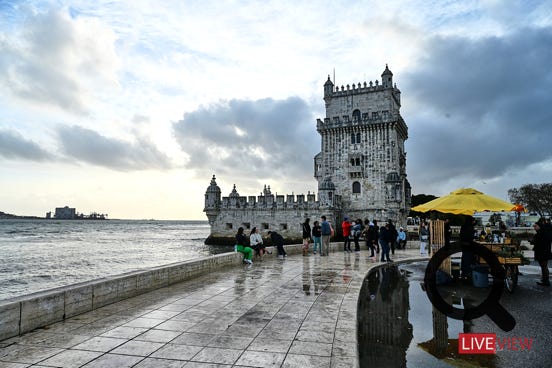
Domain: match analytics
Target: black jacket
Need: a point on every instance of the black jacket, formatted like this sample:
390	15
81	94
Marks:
276	238
306	231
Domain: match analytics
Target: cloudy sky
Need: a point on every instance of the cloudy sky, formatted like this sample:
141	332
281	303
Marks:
129	107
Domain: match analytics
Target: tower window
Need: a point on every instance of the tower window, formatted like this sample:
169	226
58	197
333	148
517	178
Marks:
358	137
353	138
356	187
356	115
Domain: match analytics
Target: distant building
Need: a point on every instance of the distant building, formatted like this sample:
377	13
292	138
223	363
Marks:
65	213
49	214
361	169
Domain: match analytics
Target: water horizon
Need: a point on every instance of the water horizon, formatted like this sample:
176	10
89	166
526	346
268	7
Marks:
41	254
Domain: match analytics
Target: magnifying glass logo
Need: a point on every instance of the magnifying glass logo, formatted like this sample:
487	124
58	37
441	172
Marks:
490	306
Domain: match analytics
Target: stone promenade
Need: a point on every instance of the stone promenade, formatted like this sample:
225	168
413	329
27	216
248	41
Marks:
295	312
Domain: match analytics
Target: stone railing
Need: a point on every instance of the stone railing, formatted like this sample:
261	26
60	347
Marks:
24	314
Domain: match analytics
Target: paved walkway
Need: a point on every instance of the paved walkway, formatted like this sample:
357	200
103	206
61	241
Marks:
296	312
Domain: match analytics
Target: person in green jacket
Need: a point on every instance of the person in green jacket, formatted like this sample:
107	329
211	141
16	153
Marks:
242	247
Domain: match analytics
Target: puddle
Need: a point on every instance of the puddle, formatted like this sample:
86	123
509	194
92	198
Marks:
398	326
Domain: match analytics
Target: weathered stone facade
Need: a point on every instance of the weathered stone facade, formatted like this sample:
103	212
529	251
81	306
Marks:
361	169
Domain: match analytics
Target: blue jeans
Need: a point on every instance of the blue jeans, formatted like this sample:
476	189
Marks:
317	242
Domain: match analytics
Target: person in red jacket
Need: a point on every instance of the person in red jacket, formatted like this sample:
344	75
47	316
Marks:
346	227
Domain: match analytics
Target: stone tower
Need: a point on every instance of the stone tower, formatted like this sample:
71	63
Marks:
362	154
212	201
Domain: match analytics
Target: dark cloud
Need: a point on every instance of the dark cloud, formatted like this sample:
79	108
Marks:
88	146
479	107
15	146
250	139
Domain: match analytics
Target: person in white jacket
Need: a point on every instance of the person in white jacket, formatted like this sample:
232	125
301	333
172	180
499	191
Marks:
256	242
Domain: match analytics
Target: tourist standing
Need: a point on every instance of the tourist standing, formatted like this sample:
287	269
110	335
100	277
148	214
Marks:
371	236
377	230
356	230
256	242
384	242
346	227
401	239
326	232
392	236
541	246
241	246
316	236
278	242
306	237
424	239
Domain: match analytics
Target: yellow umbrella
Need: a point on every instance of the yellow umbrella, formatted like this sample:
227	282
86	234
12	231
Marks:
465	201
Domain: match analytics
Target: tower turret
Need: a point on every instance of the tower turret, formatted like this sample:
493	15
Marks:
328	88
387	78
212	201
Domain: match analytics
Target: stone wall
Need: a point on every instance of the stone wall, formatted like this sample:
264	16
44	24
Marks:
287	222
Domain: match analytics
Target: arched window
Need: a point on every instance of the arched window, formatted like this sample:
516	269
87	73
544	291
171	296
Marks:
356	187
358	137
352	138
356	115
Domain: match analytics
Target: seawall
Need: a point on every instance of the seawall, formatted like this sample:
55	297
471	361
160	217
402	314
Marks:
27	313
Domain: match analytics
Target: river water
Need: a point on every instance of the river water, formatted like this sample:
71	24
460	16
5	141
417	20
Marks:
37	255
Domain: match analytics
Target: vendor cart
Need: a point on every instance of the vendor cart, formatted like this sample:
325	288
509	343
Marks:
510	257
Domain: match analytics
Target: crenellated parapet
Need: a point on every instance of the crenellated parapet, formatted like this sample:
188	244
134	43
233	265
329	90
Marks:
358	89
270	201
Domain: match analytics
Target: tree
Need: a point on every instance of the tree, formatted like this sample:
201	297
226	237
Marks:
534	197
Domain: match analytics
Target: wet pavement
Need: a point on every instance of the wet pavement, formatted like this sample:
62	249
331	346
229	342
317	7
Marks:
295	312
398	327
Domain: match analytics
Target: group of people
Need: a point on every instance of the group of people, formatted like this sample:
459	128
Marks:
256	244
386	237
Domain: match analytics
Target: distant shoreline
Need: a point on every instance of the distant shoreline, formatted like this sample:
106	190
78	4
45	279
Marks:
7	216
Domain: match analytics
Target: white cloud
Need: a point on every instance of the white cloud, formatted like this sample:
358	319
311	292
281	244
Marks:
57	60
